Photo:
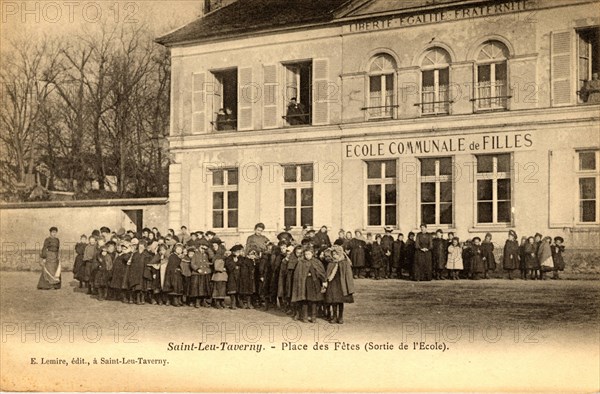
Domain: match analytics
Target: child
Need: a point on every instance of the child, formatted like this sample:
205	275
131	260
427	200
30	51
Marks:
186	275
102	277
78	271
282	285
544	256
522	255
339	283
292	263
357	248
247	285
510	256
219	281
119	271
557	257
232	266
409	255
135	276
455	260
398	255
467	256
275	270
307	285
478	267
438	255
488	255
530	257
538	263
377	257
200	290
173	283
158	264
90	263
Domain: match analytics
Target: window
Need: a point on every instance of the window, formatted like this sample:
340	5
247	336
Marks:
381	103
381	193
225	100
298	195
225	198
588	63
298	90
491	90
436	190
589	179
435	80
494	189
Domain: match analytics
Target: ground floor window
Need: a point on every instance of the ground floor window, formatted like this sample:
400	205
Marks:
493	176
225	198
381	193
298	195
436	190
588	179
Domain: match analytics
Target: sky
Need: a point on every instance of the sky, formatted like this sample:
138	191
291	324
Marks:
55	18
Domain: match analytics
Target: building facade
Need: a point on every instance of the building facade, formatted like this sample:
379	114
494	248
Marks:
470	116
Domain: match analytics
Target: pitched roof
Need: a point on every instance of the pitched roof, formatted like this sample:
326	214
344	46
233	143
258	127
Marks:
244	16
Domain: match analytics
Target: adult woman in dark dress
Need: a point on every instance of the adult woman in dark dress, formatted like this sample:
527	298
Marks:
423	246
50	277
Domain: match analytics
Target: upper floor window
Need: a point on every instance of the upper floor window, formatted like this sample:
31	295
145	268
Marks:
298	90
491	88
381	100
588	65
435	80
225	100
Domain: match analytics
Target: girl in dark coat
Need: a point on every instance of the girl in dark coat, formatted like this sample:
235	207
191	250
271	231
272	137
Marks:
282	289
308	284
102	278
339	283
399	254
510	255
488	254
529	252
292	262
90	263
341	240
377	258
232	266
153	279
557	256
78	265
467	255
247	284
438	255
200	283
186	274
357	248
275	265
173	284
118	272
478	266
409	257
321	239
219	280
135	277
522	255
423	261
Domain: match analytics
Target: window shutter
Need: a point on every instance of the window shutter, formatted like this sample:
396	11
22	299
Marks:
561	79
320	109
562	183
198	103
270	96
245	98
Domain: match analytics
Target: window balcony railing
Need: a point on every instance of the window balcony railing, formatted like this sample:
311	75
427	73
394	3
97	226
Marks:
435	104
381	111
298	119
491	95
224	124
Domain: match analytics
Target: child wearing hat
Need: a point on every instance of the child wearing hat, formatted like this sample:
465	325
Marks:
135	275
557	256
119	271
292	263
544	256
387	243
105	264
309	276
409	255
530	251
339	284
232	266
219	280
378	258
398	255
186	274
510	255
247	286
522	257
90	255
438	255
478	265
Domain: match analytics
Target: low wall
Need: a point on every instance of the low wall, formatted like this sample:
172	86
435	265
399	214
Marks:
24	226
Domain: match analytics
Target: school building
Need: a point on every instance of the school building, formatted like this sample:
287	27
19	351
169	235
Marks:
471	116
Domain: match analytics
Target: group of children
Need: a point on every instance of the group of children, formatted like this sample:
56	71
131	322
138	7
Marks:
305	280
425	256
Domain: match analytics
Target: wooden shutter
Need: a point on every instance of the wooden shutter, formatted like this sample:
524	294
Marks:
562	188
270	96
198	103
561	75
320	108
246	93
